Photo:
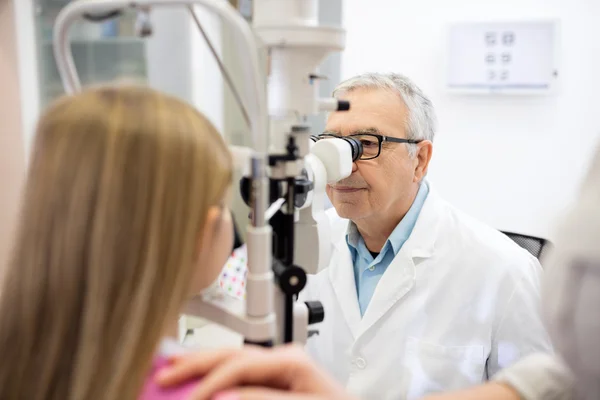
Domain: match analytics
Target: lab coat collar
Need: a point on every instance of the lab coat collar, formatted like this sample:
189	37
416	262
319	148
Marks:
421	243
398	279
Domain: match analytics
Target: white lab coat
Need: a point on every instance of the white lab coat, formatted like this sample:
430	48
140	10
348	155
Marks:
458	303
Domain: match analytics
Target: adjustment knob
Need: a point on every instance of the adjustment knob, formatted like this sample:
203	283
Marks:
316	312
343	105
291	279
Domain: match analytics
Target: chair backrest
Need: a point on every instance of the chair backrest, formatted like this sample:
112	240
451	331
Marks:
532	244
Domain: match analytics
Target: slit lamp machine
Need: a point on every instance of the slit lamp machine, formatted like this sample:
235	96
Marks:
288	168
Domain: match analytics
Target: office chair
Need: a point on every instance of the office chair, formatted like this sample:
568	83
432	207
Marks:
532	244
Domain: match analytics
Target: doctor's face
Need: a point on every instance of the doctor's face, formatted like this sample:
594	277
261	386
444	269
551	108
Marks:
381	186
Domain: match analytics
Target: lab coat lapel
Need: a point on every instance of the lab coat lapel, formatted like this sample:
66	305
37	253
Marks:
341	276
400	276
395	283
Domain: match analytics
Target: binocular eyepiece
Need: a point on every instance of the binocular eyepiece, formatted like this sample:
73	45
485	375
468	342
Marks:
355	144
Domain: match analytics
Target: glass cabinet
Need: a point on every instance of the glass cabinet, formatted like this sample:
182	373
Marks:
102	51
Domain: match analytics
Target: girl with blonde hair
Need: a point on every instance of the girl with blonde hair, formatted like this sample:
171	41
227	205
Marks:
124	216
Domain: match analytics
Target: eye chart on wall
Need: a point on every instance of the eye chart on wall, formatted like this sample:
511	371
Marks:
503	57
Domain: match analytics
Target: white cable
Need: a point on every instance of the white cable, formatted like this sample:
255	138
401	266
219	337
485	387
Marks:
274	208
221	65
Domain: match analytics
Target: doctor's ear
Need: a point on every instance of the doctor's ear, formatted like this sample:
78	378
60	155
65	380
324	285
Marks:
422	159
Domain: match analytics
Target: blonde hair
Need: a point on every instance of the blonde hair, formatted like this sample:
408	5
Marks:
120	183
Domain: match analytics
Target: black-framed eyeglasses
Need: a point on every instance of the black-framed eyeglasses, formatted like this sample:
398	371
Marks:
370	142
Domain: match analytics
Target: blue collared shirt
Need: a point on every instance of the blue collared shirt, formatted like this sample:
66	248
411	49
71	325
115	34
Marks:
368	270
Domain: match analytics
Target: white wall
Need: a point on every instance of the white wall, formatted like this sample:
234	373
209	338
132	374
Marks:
193	73
171	25
207	82
514	162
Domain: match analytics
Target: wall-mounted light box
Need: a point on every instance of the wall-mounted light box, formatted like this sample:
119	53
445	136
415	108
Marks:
519	57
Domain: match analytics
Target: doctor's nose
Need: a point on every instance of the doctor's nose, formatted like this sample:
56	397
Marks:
354	167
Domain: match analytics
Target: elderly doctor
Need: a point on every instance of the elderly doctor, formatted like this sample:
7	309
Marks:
419	297
570	298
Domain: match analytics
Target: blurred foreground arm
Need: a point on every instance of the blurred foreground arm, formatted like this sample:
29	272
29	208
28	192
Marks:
539	376
287	373
282	373
489	391
536	377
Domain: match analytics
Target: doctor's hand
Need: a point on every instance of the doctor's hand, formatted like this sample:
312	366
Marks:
252	373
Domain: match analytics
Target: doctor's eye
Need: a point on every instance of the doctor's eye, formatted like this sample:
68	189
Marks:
368	141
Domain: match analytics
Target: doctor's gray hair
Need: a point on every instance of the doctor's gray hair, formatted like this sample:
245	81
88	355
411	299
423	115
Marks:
422	122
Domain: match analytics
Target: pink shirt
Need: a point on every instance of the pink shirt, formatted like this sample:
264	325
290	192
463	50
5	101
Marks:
151	391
